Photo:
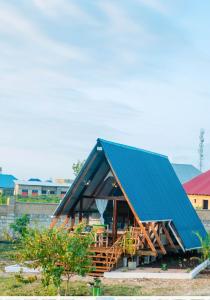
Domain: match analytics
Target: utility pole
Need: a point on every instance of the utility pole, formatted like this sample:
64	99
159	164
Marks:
201	149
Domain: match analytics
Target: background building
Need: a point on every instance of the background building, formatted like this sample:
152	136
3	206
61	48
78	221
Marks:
6	183
185	172
198	190
36	187
64	181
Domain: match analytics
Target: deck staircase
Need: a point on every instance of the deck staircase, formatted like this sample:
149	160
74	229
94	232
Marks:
104	259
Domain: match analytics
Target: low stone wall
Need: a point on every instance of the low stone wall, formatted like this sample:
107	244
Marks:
39	213
204	215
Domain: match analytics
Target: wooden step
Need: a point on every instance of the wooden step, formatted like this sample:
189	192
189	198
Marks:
113	256
99	249
102	256
104	260
102	249
146	253
97	256
99	263
100	269
96	274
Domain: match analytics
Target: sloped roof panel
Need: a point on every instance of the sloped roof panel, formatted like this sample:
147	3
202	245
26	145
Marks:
7	181
199	185
185	172
154	190
91	165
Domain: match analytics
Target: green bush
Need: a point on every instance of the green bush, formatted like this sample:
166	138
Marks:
57	253
3	199
27	279
39	199
20	226
205	246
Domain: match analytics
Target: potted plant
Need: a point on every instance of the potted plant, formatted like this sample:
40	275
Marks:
164	267
96	287
129	249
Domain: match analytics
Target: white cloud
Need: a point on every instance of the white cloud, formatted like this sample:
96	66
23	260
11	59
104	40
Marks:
156	5
128	95
16	25
60	8
118	18
125	29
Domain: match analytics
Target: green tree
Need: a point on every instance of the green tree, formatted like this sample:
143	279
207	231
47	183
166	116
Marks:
57	253
77	166
205	246
20	226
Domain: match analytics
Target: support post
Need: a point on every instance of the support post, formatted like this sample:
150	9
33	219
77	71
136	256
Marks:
168	236
163	250
114	224
53	222
80	210
65	222
72	220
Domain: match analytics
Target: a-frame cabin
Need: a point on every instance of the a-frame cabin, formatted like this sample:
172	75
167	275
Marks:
123	187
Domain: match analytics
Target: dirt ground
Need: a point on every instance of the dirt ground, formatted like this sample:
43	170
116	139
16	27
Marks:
147	287
199	286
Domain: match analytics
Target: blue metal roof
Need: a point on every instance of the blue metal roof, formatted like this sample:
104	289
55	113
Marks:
185	172
7	181
154	190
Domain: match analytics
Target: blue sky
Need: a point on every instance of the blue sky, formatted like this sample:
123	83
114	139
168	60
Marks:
131	71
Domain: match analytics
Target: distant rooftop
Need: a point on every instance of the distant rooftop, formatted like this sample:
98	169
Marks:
40	183
199	185
7	181
185	172
34	179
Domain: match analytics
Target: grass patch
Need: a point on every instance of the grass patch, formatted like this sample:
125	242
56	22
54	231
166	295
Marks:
121	290
3	199
8	250
9	286
39	199
7	254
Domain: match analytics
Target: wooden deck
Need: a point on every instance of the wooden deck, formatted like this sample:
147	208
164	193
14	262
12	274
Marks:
145	238
106	258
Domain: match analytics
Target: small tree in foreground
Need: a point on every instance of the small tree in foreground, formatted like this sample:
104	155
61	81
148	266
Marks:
205	246
77	166
57	253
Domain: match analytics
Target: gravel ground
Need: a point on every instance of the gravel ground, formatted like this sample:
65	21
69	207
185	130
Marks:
199	286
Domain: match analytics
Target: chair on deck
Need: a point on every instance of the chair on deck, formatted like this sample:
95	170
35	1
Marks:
101	235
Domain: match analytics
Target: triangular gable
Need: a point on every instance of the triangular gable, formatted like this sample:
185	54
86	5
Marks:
149	184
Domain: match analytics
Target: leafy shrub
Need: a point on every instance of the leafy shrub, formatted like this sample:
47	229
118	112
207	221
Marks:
57	253
3	199
29	279
20	226
39	199
205	246
164	267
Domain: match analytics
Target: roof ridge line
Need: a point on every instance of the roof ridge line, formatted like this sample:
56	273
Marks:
131	147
